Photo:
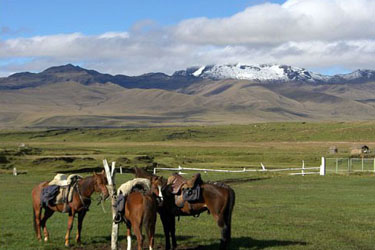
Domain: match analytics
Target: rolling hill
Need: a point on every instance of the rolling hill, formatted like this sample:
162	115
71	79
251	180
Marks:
70	96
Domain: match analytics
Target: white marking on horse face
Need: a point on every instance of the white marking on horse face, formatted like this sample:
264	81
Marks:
160	193
129	240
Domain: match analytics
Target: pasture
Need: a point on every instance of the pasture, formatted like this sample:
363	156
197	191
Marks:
272	211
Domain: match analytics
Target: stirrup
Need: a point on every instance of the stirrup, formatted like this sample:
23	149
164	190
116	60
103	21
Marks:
118	218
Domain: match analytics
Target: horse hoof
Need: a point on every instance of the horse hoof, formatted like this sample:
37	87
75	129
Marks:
45	239
67	245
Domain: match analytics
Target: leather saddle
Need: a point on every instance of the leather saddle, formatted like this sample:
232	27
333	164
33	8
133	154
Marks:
67	185
178	182
185	190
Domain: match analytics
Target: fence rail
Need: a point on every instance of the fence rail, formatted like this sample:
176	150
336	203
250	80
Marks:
328	165
320	169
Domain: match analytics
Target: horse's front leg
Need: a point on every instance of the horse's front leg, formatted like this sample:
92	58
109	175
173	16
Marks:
166	227
173	232
70	225
81	215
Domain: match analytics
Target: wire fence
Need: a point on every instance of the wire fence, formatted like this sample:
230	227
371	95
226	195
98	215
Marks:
350	165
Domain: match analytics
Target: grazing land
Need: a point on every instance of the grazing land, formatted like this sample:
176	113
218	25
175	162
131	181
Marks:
272	211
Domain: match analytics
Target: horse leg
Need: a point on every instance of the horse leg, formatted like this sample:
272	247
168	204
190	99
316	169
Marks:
224	220
37	211
173	231
70	225
129	238
47	213
81	215
166	227
150	230
225	236
137	229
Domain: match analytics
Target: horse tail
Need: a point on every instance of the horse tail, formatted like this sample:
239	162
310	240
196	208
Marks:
36	207
34	219
229	210
34	223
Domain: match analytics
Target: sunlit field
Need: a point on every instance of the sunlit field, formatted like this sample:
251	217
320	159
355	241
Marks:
272	211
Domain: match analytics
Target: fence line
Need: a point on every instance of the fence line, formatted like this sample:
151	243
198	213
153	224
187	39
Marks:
330	165
303	169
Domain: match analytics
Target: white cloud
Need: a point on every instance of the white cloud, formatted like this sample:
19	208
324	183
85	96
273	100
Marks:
296	20
304	33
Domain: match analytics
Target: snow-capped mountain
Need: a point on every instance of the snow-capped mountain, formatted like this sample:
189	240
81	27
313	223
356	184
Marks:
271	73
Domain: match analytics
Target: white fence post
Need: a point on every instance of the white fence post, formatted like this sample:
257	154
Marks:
323	167
15	171
303	168
112	192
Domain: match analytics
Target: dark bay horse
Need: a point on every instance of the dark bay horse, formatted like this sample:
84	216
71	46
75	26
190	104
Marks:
140	210
217	198
79	205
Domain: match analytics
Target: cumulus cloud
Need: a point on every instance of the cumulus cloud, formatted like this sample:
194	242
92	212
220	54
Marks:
305	33
295	20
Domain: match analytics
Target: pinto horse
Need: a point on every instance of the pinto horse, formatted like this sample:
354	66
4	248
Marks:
216	198
140	210
79	205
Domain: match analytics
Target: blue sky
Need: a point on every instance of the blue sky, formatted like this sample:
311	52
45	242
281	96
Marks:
135	37
90	17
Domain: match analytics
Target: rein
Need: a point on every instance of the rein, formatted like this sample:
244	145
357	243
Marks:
82	197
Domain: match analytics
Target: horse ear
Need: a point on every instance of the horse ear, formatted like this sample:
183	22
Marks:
94	173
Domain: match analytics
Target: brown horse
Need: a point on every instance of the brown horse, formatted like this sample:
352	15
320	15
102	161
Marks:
216	198
140	210
80	203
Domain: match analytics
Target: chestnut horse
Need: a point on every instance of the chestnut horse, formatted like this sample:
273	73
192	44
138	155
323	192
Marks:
80	203
140	210
216	198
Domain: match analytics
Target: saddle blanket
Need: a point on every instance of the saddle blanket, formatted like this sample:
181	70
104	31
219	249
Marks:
48	194
127	187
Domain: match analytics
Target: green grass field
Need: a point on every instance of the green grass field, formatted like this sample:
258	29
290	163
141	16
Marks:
272	211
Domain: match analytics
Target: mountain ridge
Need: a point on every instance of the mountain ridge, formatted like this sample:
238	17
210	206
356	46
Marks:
263	73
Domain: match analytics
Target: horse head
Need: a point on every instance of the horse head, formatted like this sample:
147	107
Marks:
100	185
157	184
